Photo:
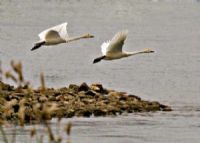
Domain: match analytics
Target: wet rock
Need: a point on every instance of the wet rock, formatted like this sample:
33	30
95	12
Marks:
165	108
83	113
70	113
152	106
113	112
100	112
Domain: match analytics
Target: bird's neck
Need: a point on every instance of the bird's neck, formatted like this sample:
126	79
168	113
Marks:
134	53
76	38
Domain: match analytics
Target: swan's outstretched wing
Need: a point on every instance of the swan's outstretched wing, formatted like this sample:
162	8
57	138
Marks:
115	45
59	31
104	47
63	32
52	36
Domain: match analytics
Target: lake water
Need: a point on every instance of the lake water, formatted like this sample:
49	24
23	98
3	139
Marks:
171	75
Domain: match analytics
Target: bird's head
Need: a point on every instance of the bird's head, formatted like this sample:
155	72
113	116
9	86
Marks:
88	36
148	51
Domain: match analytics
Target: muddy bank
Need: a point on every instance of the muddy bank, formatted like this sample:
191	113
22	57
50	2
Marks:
26	105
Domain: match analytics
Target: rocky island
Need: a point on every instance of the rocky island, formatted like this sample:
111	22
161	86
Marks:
28	105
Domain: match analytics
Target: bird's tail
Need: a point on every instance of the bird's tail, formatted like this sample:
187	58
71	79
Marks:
38	45
98	59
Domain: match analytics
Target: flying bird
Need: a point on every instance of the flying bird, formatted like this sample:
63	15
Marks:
112	49
56	35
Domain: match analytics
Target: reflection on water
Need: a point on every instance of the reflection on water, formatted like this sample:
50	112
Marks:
171	75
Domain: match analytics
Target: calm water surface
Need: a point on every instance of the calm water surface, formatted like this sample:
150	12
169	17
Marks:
171	75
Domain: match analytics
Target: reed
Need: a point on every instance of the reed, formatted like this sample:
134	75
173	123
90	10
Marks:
42	81
44	111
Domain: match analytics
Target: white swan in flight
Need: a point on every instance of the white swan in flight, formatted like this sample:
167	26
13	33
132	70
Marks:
56	35
112	50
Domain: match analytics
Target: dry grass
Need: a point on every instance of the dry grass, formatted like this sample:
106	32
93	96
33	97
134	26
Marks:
44	110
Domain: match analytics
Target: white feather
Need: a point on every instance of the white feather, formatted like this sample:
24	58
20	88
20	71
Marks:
57	35
115	45
112	50
61	32
104	47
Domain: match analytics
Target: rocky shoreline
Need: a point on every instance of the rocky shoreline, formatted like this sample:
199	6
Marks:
27	105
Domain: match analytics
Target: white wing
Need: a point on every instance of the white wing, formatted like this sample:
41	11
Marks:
61	30
104	47
115	45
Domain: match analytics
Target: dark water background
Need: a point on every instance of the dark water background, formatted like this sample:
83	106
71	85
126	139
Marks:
171	75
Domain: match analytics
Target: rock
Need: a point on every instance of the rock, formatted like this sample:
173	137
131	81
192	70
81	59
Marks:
17	96
84	112
100	112
83	87
51	98
134	97
81	94
43	98
88	101
16	107
60	98
97	87
116	94
165	108
4	86
152	106
76	100
90	93
123	97
73	88
70	113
